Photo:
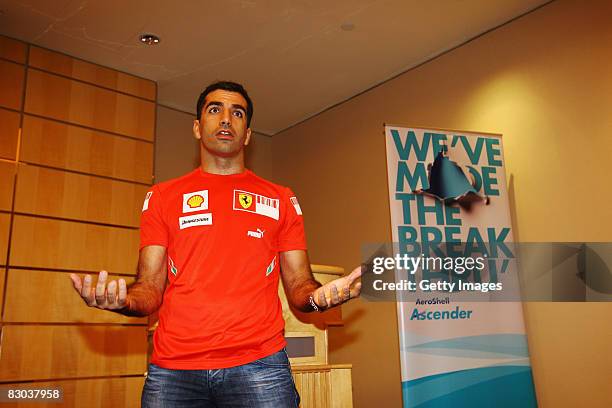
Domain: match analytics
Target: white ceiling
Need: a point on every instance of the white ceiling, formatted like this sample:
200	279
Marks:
292	55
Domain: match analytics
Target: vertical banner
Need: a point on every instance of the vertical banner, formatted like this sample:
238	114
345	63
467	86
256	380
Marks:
456	351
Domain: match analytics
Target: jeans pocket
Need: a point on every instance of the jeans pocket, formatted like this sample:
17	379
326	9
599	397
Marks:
153	387
277	360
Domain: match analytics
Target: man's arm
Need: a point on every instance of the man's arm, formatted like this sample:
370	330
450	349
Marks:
297	277
142	298
301	286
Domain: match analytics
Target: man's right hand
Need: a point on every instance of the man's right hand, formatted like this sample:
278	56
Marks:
102	296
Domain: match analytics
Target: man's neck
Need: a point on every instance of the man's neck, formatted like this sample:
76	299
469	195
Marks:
222	165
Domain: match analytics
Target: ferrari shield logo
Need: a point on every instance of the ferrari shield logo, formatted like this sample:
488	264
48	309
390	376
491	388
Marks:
256	203
245	200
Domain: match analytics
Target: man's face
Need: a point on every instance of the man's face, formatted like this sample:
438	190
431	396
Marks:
222	129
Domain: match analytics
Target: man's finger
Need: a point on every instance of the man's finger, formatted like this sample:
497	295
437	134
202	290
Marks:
122	299
322	301
346	293
111	293
86	292
76	282
101	288
335	299
328	298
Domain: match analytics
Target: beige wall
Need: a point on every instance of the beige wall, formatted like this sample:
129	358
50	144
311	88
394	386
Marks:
177	151
543	81
259	156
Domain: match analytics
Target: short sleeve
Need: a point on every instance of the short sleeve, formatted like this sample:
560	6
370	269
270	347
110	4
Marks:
291	235
153	229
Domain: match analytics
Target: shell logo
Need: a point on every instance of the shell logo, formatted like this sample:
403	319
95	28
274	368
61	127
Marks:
195	201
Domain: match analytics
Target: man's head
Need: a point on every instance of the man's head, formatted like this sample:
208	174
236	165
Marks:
223	119
226	86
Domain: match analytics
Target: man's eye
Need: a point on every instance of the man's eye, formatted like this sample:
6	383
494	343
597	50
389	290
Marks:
238	114
214	109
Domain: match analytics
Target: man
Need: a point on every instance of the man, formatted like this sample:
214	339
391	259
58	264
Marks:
213	244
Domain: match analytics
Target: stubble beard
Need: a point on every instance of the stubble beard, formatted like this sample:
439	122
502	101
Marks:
223	149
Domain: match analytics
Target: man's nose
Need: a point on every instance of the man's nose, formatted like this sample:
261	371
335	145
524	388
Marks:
225	120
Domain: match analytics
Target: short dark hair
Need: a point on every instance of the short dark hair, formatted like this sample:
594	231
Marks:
226	86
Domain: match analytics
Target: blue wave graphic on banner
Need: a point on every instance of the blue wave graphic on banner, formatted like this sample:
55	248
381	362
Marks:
498	386
484	346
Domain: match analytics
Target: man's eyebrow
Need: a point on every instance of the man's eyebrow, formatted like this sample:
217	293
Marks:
215	103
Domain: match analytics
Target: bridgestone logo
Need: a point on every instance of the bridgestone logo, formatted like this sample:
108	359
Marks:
195	220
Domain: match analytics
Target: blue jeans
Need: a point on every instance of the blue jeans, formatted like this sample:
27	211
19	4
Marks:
263	383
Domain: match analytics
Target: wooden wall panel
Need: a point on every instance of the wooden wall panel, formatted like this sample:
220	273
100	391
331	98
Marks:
56	144
99	125
95	393
39	352
2	278
61	194
85	71
5	224
11	84
13	50
49	297
9	130
73	246
76	102
7	181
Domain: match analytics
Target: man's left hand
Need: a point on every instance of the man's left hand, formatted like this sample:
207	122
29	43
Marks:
338	291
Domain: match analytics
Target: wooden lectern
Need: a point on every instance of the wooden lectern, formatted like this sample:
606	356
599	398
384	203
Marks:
320	384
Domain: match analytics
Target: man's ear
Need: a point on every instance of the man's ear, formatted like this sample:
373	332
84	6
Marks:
196	129
247	139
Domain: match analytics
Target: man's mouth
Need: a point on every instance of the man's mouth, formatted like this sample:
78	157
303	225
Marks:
225	135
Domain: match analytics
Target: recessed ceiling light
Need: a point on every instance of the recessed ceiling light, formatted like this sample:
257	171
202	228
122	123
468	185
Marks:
347	26
149	39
